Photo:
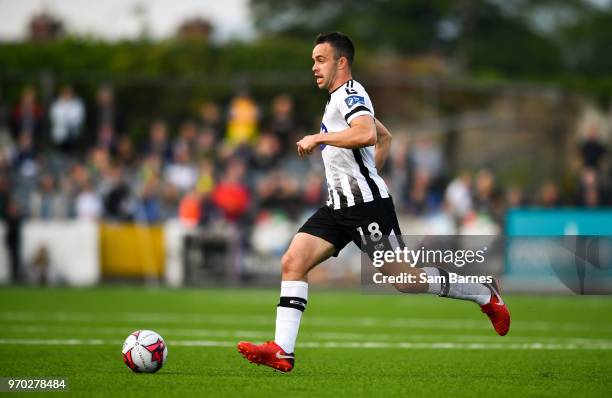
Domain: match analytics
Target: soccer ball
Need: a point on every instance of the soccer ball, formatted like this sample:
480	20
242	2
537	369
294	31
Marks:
144	351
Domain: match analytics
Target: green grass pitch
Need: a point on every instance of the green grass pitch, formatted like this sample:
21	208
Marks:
349	345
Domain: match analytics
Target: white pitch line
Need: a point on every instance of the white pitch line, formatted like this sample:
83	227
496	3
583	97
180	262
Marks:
53	342
320	321
258	334
335	344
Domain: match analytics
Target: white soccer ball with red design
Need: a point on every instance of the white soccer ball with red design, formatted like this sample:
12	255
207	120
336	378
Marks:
144	351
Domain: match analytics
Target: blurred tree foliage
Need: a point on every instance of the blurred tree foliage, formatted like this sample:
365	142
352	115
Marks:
566	41
404	26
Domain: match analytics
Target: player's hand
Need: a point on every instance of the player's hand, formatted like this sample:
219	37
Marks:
307	144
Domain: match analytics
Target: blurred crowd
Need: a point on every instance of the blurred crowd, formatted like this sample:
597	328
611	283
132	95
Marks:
231	163
475	201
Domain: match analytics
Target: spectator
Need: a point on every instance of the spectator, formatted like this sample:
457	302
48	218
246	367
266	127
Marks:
279	191
98	165
148	205
24	159
88	204
419	200
210	121
7	150
514	198
158	143
4	115
27	116
48	202
231	195
187	137
107	115
11	217
106	138
190	208
6	139
486	198
267	153
592	149
5	191
242	120
591	192
549	195
282	122
124	152
181	173
458	196
13	237
401	168
25	171
427	156
105	120
119	204
170	197
206	178
79	179
205	146
67	117
314	191
150	169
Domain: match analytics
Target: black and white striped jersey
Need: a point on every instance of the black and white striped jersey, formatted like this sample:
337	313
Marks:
351	173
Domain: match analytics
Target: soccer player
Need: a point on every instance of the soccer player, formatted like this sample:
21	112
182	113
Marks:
359	204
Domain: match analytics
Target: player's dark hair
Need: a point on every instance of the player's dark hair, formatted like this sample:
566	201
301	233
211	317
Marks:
341	43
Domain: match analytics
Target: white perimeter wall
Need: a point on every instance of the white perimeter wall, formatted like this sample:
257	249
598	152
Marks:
72	247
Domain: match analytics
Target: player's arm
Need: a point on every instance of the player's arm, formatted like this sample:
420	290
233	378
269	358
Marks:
383	144
361	133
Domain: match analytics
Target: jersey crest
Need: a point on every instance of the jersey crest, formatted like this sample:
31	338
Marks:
354	100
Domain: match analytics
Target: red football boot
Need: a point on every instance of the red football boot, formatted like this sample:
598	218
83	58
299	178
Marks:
497	311
269	354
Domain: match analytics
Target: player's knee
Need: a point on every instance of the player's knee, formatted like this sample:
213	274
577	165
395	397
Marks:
402	287
408	287
291	266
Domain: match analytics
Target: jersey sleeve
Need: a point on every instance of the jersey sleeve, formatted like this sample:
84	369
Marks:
354	101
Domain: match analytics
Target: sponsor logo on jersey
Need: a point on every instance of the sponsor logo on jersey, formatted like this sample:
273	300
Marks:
354	100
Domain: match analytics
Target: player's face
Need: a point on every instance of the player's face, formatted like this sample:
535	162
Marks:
325	65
